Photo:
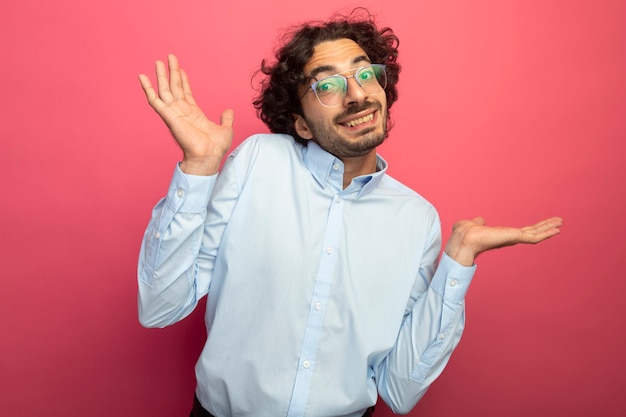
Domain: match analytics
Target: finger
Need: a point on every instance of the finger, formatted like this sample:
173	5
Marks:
151	95
146	85
176	86
186	87
163	81
542	230
545	234
553	222
552	226
227	118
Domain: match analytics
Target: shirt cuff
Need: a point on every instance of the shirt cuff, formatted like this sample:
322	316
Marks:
452	280
190	193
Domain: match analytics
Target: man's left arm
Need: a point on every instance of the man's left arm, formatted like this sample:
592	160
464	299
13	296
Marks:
433	327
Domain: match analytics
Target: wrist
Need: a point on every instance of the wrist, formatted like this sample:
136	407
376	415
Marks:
462	254
201	166
462	258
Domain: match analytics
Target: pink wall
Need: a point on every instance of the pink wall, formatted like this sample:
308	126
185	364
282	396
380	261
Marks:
514	110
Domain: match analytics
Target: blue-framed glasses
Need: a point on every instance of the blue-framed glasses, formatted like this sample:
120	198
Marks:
330	91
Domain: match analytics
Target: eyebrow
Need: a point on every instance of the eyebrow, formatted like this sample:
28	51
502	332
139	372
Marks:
332	68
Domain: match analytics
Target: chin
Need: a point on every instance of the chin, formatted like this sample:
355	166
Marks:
365	144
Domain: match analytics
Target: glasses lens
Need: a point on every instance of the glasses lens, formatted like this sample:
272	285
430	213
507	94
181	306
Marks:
330	90
372	78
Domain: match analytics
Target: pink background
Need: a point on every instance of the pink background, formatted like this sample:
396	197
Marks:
514	110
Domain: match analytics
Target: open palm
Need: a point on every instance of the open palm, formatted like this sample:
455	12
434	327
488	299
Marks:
472	237
203	142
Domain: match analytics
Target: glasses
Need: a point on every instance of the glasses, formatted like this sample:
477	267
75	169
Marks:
330	91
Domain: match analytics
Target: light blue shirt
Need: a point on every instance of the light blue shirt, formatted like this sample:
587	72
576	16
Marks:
319	298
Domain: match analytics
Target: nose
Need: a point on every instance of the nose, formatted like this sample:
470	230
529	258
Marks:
354	92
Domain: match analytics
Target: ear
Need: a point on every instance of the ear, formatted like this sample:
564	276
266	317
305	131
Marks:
302	129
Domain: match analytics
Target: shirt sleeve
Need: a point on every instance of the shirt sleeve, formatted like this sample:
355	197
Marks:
170	257
429	333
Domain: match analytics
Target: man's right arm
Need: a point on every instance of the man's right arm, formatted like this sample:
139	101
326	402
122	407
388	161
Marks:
172	257
169	261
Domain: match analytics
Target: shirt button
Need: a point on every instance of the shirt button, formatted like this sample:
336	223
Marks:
306	364
329	250
442	336
318	306
336	166
157	235
337	200
180	193
453	282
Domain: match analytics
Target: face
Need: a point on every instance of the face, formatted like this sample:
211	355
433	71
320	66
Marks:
357	125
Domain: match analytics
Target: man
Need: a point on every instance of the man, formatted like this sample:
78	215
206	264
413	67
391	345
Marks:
322	274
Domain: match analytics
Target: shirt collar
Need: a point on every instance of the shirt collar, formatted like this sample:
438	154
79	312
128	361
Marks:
322	164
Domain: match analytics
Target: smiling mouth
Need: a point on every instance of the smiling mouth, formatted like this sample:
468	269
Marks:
359	121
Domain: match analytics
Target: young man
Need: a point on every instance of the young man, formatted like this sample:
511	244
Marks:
322	274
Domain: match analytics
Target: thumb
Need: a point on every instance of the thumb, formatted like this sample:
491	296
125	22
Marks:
479	220
227	118
464	224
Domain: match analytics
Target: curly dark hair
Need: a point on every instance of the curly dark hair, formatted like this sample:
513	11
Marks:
279	97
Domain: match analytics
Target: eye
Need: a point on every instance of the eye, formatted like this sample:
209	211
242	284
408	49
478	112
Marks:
367	75
329	85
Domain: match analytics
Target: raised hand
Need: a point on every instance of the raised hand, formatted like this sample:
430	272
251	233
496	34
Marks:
203	142
472	237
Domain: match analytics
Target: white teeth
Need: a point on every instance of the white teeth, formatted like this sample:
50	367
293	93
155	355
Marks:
360	120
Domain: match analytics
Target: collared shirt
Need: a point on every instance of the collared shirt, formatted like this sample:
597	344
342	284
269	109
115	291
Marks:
320	298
